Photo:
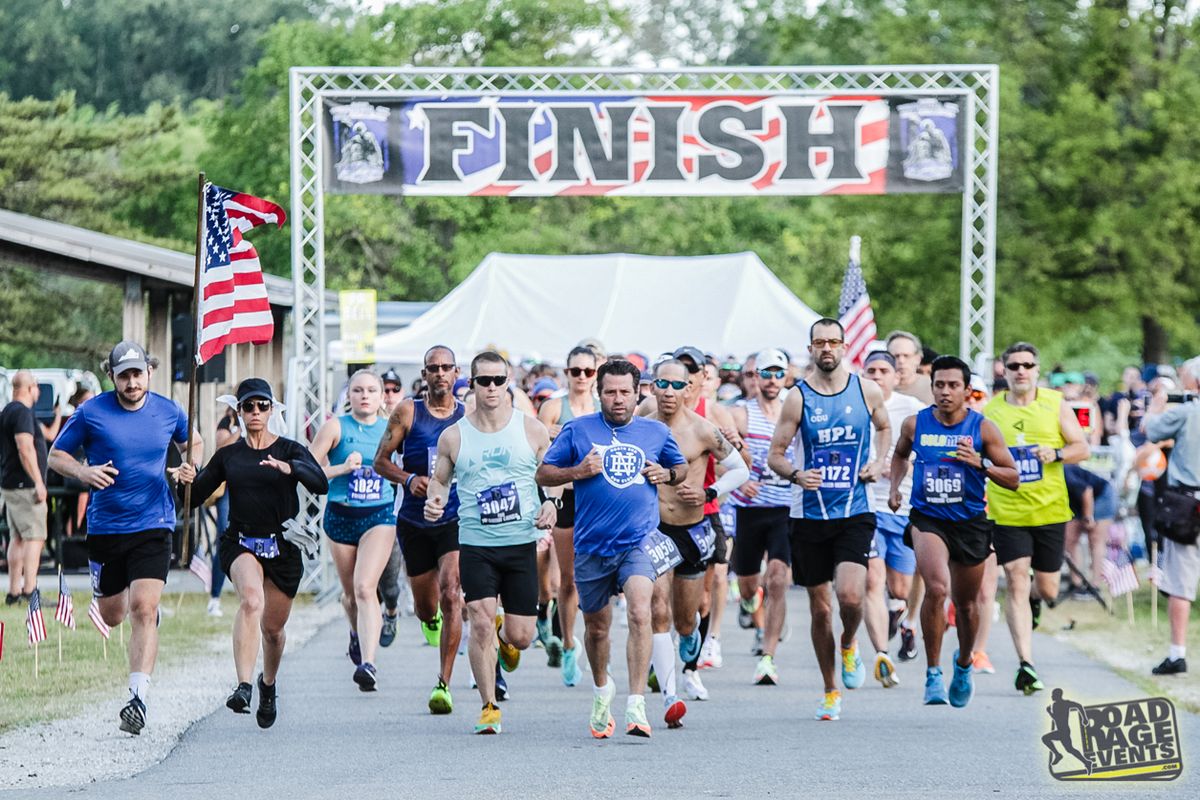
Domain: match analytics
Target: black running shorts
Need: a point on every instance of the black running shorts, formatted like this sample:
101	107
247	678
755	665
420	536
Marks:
760	531
509	572
1043	544
819	545
117	560
424	547
969	541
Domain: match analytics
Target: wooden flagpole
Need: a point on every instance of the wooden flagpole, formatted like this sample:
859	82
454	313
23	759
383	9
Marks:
191	409
60	644
1154	584
35	661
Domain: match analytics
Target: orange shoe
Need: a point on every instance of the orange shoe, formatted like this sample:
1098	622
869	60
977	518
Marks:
982	663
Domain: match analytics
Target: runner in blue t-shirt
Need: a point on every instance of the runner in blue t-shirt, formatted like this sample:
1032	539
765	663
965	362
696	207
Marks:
615	461
956	450
125	435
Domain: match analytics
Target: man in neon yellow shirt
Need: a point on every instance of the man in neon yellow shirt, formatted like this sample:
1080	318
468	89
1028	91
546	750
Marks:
1043	434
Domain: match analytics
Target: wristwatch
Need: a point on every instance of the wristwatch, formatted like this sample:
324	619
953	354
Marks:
792	477
710	494
671	482
986	463
1058	454
556	502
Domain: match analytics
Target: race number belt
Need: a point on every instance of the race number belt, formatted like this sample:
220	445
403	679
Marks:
705	539
260	546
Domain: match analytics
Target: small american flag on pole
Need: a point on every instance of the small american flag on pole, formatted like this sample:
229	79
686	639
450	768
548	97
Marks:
97	620
854	309
1	641
202	570
65	611
1118	572
34	623
233	297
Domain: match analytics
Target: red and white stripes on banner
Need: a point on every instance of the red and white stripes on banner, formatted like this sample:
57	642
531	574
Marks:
234	307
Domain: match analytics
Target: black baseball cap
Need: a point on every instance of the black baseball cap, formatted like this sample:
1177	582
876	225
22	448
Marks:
692	354
127	355
254	387
391	376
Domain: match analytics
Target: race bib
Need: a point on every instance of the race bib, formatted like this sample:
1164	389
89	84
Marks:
705	539
943	483
365	486
260	546
431	454
94	568
663	553
769	477
1029	466
837	467
499	504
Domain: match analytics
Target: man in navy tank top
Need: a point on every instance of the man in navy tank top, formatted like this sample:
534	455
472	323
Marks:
430	548
827	419
956	451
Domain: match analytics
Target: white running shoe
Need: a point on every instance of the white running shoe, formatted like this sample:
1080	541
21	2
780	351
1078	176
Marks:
710	656
214	607
692	686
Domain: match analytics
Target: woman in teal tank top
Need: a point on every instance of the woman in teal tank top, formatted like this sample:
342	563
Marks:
358	516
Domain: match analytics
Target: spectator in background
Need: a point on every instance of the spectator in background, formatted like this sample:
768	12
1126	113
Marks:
23	486
1093	507
1180	563
1124	410
75	521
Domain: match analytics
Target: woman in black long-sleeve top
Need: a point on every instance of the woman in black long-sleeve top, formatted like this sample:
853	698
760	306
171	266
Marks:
261	473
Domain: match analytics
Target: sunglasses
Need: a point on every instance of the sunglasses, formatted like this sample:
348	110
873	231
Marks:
490	380
434	368
392	390
663	383
1013	366
731	366
820	344
250	406
976	394
773	372
575	372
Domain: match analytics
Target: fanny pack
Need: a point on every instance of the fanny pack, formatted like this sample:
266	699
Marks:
1178	517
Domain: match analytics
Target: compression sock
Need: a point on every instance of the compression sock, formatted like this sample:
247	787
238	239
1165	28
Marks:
662	658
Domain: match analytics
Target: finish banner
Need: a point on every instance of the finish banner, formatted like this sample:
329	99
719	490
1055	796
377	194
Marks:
652	145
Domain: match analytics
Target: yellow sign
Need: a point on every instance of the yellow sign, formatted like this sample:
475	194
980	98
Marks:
357	311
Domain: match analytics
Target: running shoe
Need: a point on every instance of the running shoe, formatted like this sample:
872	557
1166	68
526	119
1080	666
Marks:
1027	679
602	722
433	630
387	634
689	646
981	663
502	693
214	607
570	666
854	672
364	676
830	707
961	687
885	671
674	709
1035	610
756	649
509	655
440	701
267	710
489	720
354	651
908	644
12	599
764	673
636	723
652	681
1171	666
710	654
692	686
239	701
542	626
746	609
133	716
935	688
554	652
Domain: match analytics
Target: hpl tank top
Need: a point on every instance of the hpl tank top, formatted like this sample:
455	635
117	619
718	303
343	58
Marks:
834	437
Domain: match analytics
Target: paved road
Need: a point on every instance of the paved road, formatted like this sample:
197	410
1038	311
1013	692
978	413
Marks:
747	741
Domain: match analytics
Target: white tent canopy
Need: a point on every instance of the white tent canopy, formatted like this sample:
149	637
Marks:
542	306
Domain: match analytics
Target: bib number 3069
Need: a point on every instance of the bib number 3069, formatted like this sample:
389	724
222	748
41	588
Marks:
943	483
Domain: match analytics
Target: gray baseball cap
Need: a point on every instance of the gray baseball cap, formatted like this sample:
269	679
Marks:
126	356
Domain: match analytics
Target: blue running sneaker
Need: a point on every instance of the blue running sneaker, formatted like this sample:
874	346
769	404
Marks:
689	646
501	684
570	666
854	672
364	676
830	707
354	651
961	686
935	690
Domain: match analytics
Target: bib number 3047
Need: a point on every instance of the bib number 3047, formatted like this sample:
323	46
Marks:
499	504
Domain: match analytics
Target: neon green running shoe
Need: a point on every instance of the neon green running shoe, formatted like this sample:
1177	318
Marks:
602	722
433	630
439	699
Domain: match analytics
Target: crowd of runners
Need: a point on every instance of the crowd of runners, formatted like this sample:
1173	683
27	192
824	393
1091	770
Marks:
644	490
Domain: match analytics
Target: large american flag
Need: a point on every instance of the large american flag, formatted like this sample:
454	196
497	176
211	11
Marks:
1118	571
233	298
65	611
33	618
854	309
